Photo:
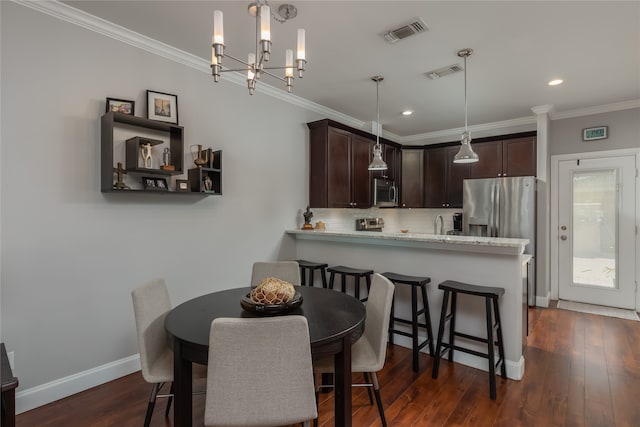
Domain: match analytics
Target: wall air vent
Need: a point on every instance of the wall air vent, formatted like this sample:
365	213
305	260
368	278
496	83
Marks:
414	27
444	71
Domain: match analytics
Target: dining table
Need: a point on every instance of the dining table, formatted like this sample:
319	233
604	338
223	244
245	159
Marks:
336	320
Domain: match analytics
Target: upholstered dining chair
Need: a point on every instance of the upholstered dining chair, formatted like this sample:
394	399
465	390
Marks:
150	306
260	373
289	271
369	352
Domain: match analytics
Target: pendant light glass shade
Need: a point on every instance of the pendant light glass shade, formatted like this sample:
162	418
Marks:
466	153
377	164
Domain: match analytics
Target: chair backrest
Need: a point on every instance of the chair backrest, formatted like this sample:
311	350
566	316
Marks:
150	307
289	271
260	372
378	311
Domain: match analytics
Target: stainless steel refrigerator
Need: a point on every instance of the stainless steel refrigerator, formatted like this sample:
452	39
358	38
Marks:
503	207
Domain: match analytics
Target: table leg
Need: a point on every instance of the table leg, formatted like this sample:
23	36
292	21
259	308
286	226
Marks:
342	379
182	386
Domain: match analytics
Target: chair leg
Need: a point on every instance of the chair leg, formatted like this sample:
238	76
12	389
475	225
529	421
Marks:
414	328
152	403
331	279
452	325
491	355
310	284
443	315
356	286
343	283
427	316
323	275
496	310
303	276
391	319
169	400
376	391
367	380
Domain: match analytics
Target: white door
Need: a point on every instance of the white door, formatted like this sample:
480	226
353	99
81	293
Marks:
596	220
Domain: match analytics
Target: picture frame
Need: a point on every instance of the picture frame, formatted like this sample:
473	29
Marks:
162	107
183	185
154	184
595	133
122	106
149	183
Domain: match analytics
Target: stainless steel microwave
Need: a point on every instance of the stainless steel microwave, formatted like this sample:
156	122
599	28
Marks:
385	193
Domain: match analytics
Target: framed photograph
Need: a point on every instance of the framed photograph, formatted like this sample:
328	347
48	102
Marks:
182	185
598	132
122	106
161	184
149	183
162	107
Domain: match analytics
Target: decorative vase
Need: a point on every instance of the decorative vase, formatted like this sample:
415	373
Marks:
200	161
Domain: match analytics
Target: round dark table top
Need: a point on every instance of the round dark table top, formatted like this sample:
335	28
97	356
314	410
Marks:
331	315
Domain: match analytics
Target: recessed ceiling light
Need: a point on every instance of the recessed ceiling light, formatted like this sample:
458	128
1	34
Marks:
555	82
407	112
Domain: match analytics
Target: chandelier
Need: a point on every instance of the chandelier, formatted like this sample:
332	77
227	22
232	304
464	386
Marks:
377	164
256	61
466	153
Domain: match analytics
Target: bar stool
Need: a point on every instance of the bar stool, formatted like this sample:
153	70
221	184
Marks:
490	295
312	266
415	283
356	273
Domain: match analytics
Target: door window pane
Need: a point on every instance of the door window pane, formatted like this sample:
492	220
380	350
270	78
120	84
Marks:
595	214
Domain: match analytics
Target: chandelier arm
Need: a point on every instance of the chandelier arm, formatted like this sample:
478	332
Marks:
242	61
273	75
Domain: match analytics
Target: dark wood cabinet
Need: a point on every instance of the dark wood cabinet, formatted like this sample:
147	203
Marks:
509	157
412	181
338	170
443	179
519	157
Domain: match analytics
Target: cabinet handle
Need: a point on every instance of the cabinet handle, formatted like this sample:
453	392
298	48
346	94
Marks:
499	174
504	174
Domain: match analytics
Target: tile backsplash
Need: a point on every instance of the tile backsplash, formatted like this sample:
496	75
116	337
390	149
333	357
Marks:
415	220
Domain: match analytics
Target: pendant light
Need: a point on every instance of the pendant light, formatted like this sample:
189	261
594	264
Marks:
466	153
377	164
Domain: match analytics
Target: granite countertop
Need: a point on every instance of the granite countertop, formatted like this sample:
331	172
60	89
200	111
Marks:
498	245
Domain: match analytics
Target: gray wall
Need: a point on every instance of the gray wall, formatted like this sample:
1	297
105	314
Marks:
70	254
624	132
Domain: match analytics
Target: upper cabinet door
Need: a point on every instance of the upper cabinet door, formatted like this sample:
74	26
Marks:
435	171
361	149
519	157
490	163
412	185
338	168
456	174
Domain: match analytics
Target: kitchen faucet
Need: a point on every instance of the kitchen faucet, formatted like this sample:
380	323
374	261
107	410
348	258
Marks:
435	225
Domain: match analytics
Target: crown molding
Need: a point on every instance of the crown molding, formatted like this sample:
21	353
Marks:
523	121
85	20
543	109
599	109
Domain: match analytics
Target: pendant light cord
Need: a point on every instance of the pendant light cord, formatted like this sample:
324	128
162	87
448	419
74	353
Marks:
465	93
378	112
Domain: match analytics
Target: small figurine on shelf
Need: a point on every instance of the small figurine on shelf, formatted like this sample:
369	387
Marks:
201	158
120	185
207	183
166	160
145	152
307	219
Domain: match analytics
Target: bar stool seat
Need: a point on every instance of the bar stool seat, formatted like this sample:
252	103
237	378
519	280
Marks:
415	282
312	266
491	296
356	273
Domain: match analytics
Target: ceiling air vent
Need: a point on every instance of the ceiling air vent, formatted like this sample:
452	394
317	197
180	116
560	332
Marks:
444	71
414	27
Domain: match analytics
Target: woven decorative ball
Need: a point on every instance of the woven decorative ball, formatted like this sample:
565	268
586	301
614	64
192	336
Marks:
273	291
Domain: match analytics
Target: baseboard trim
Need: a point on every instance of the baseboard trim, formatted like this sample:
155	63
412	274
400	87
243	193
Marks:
54	390
515	370
543	301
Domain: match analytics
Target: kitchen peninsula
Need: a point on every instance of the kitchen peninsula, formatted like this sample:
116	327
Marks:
482	261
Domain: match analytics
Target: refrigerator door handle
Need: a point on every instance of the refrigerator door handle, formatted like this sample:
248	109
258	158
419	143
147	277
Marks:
496	213
492	214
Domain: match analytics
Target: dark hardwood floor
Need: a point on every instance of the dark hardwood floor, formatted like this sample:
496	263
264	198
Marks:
581	370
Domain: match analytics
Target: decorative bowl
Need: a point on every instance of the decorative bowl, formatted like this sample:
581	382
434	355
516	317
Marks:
251	306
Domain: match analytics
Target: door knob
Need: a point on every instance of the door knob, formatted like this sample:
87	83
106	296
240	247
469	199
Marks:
563	237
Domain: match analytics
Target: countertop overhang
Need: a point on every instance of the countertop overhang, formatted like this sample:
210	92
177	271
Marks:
477	244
